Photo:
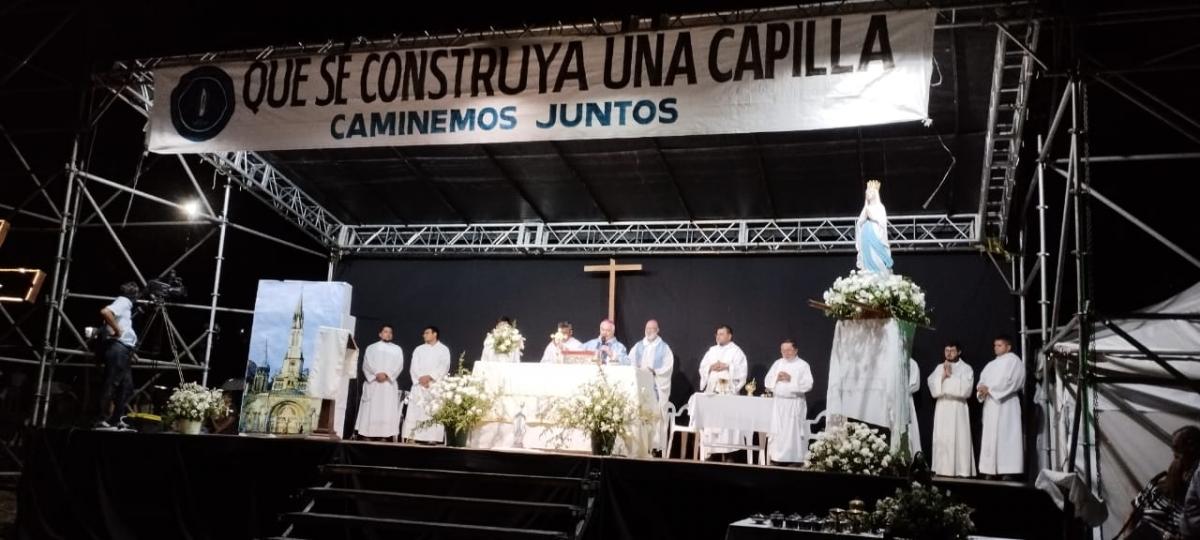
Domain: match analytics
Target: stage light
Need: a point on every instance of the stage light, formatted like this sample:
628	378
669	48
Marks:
20	284
191	209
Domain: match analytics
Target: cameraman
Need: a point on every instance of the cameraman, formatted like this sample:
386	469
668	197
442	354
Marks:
118	358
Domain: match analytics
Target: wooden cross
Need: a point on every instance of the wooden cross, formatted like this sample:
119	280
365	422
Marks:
612	268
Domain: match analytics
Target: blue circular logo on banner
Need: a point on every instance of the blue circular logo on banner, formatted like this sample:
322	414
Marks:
202	103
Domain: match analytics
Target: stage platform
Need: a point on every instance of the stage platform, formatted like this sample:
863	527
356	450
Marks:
88	484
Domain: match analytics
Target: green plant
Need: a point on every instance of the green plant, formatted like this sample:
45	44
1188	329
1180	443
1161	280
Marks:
923	512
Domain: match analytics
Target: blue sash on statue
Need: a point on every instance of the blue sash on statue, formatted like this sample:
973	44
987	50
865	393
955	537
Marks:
876	256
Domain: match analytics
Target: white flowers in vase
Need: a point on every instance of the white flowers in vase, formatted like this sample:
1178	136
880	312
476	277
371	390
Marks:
599	408
459	402
504	339
853	296
190	401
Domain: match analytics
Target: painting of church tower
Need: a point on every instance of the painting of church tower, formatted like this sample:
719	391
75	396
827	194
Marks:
276	400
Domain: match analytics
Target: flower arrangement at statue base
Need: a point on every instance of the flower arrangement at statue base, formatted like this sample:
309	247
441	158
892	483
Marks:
458	402
852	447
504	339
923	512
869	295
600	409
191	404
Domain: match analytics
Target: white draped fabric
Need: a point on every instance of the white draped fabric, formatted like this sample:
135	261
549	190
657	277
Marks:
730	381
953	454
790	410
862	369
335	365
1001	446
379	410
914	428
531	388
427	360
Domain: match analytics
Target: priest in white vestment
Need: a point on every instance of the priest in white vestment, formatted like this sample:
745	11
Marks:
952	384
654	355
722	371
608	349
789	380
567	342
489	354
379	409
1001	445
430	362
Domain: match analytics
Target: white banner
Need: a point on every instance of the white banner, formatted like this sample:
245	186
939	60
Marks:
830	72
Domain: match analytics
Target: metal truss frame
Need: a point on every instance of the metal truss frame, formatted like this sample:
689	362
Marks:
815	235
951	14
247	169
1050	313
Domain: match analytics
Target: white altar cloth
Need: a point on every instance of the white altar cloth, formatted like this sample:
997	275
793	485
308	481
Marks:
530	389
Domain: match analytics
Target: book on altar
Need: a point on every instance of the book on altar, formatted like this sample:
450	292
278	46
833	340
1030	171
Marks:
578	357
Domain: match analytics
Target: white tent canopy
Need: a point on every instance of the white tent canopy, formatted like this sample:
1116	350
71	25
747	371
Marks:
1135	420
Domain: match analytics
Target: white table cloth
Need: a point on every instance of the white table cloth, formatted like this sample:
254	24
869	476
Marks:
530	390
747	414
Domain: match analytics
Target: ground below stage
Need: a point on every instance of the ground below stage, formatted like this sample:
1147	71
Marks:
86	484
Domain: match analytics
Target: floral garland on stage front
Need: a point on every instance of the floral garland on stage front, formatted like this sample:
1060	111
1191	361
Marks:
504	339
863	295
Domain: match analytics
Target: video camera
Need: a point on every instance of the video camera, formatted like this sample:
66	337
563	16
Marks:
159	291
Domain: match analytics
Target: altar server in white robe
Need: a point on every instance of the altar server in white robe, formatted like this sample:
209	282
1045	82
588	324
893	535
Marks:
722	370
490	355
952	384
654	355
379	409
1001	447
554	350
430	363
789	380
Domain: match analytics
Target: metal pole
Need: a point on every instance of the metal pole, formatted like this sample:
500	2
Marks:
48	352
1043	303
64	291
216	292
1143	226
116	239
1081	296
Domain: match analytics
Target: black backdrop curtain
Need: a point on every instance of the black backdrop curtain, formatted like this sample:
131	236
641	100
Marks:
764	299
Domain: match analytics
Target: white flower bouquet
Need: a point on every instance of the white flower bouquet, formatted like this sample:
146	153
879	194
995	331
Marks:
459	402
601	409
504	339
851	447
865	294
190	401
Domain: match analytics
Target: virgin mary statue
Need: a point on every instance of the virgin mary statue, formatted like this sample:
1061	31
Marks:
871	240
